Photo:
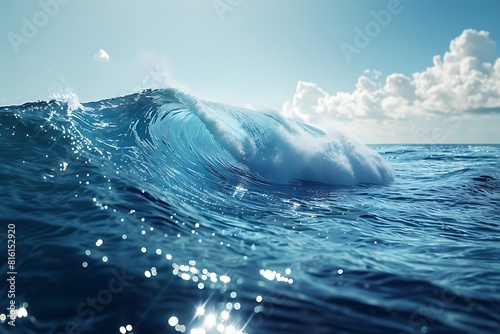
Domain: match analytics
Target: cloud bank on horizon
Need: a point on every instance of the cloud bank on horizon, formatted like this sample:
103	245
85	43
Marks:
465	81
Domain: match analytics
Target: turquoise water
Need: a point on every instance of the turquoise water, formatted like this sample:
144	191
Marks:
158	213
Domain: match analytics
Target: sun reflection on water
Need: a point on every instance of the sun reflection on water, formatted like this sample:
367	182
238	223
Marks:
208	322
231	312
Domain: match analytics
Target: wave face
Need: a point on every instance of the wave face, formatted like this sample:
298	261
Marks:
160	213
211	137
282	150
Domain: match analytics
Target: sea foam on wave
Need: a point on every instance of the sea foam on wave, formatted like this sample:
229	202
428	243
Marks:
282	150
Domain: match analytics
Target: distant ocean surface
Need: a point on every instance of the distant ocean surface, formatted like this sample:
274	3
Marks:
160	213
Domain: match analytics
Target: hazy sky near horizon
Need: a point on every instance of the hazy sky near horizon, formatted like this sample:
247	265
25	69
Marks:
407	71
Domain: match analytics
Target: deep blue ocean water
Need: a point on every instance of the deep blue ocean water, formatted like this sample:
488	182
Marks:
157	213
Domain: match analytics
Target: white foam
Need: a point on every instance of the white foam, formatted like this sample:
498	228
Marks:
283	150
70	98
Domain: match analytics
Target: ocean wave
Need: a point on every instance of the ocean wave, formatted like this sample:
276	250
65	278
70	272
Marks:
207	137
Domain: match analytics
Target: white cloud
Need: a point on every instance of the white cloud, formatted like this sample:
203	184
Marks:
465	80
101	55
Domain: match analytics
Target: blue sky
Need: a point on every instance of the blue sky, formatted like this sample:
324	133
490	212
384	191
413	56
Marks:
287	55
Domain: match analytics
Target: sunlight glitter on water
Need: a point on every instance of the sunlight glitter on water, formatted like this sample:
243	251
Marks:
208	322
273	275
